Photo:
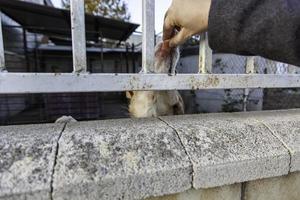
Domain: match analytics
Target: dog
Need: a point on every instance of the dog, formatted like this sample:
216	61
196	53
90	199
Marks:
145	104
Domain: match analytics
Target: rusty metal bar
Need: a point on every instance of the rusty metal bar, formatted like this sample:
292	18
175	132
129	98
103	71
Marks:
205	55
2	55
58	83
148	34
78	36
250	69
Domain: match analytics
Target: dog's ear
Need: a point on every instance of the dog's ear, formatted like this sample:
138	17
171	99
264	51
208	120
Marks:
129	94
176	101
178	108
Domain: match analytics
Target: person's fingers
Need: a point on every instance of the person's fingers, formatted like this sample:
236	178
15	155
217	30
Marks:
168	28
180	37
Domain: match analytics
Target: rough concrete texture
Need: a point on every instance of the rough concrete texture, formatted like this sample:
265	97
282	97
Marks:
141	158
27	155
286	126
120	159
226	149
231	192
281	188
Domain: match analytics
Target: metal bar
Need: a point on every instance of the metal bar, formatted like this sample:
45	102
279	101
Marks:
250	65
126	58
148	34
35	53
2	56
250	68
133	57
205	55
25	46
57	83
78	36
102	56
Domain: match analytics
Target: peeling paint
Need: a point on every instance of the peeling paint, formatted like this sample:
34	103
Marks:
211	81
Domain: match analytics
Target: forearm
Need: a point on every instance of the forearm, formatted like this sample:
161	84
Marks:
269	28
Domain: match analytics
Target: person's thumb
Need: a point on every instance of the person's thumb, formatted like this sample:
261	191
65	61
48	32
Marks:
180	37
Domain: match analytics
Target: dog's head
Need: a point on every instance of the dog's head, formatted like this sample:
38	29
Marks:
154	103
158	103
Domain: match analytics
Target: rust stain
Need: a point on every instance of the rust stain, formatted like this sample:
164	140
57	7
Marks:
211	81
147	87
134	83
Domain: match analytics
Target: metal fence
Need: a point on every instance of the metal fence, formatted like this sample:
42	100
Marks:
83	81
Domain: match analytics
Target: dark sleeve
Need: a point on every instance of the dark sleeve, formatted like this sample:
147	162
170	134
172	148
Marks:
268	28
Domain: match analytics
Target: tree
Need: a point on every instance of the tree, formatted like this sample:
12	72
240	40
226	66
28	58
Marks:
116	9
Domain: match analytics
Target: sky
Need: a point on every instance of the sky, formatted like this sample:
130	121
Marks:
135	9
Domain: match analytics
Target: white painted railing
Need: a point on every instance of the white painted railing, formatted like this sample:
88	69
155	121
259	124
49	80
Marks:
148	33
82	81
78	36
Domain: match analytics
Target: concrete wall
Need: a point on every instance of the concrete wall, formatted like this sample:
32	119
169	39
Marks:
243	156
279	188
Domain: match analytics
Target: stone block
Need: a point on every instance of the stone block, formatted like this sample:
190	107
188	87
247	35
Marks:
27	155
231	192
280	188
120	159
226	149
285	125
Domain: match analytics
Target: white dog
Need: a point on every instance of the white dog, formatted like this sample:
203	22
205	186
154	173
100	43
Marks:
158	103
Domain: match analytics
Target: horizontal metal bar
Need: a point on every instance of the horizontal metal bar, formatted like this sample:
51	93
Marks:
11	83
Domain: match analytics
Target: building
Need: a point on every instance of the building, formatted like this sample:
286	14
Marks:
37	39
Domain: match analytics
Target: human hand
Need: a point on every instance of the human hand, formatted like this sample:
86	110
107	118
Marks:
184	19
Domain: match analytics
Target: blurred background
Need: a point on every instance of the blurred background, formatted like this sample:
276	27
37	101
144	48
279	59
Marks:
37	38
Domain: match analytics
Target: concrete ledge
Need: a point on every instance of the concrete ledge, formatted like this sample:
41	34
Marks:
285	126
27	155
227	149
120	159
136	159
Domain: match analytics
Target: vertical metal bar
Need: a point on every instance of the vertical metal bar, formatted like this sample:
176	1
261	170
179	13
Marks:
36	64
291	69
250	69
121	63
25	46
133	58
205	55
102	55
78	36
126	58
90	64
250	65
148	34
2	58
